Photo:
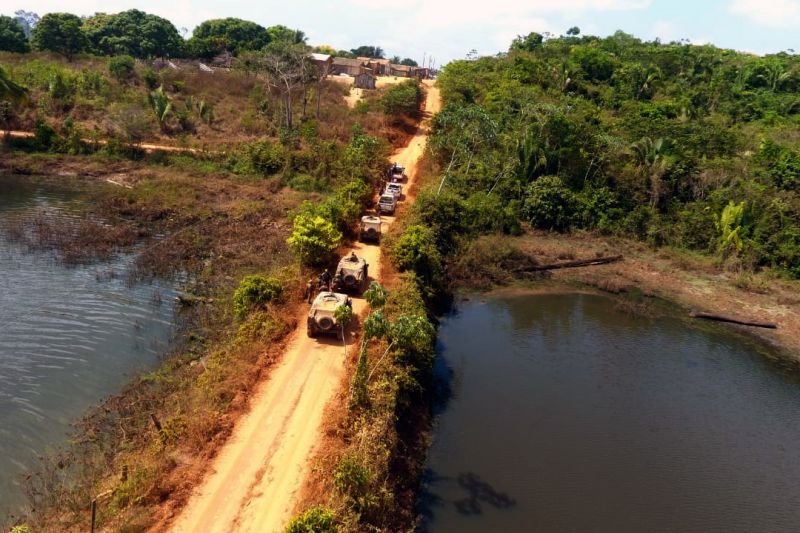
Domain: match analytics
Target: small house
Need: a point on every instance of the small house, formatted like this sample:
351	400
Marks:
400	71
324	63
344	65
365	80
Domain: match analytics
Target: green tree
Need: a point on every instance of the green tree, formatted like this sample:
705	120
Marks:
549	204
313	238
234	35
368	51
729	226
415	250
574	31
402	99
60	33
527	43
650	158
280	33
12	36
134	33
409	62
343	315
161	104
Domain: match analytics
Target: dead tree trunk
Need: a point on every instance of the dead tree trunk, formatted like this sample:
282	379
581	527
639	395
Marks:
574	264
732	320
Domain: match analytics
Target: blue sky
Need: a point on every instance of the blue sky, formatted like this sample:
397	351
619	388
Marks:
449	29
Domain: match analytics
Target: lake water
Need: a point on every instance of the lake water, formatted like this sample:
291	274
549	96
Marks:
68	335
567	415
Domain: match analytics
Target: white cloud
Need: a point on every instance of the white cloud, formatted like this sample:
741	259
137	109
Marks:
666	31
771	13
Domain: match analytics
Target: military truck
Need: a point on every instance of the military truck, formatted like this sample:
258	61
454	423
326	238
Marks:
370	228
351	274
322	315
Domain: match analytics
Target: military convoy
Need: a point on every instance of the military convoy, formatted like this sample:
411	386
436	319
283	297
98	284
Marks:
352	272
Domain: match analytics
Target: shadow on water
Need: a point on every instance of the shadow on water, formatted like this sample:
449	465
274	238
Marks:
472	495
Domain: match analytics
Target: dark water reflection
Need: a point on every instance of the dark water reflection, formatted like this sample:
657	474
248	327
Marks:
566	415
68	335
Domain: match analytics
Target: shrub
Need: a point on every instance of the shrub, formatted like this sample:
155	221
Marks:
315	520
150	78
352	479
313	238
253	291
549	204
402	99
121	67
416	251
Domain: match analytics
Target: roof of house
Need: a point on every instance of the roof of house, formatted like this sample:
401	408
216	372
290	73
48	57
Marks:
402	68
346	61
319	57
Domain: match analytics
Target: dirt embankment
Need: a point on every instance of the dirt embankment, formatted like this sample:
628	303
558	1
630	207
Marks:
692	281
253	483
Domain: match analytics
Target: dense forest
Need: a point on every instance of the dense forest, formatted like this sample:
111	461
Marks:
677	145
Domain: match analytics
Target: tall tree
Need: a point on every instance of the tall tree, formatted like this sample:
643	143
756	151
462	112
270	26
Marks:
12	36
234	35
287	35
133	33
28	20
60	33
409	62
369	51
287	67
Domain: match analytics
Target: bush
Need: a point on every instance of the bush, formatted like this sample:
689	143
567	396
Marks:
313	238
260	157
315	520
416	251
121	67
549	204
402	99
253	291
352	480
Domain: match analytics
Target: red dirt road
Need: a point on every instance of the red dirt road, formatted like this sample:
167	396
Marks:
253	482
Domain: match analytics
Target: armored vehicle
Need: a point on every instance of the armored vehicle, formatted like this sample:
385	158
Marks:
351	274
370	228
321	317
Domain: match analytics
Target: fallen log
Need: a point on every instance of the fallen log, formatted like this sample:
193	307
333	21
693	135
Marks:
732	320
574	264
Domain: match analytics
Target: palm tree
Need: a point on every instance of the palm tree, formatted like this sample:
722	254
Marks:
161	103
650	158
10	90
775	75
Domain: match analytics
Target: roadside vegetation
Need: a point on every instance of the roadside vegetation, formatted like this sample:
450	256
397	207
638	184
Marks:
687	147
281	171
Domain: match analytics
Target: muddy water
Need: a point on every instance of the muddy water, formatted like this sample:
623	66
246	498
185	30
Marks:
68	335
567	415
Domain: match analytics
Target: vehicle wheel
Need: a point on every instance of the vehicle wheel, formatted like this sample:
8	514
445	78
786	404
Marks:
311	333
325	323
349	280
